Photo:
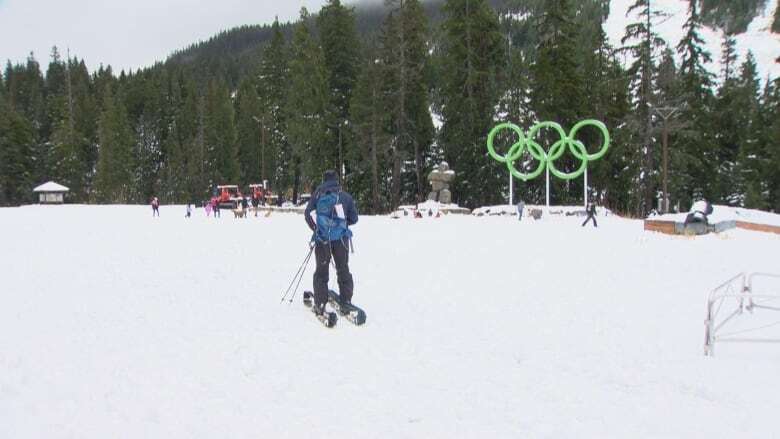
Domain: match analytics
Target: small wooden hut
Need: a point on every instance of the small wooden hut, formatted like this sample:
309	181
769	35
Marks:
51	193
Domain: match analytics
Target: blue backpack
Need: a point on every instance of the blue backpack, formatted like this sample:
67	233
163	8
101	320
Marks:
329	226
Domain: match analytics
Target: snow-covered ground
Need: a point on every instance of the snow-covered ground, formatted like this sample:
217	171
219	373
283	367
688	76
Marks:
726	213
115	324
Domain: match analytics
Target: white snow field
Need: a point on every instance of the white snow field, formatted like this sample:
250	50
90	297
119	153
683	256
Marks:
117	325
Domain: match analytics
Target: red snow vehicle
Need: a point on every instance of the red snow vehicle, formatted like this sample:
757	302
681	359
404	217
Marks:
228	196
259	192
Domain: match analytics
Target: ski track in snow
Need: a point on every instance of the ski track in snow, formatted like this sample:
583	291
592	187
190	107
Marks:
115	324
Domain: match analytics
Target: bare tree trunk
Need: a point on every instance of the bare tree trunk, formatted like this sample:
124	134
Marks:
418	164
665	207
402	135
396	189
374	171
296	179
374	159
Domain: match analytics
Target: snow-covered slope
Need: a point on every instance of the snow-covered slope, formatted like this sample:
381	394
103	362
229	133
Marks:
727	213
114	324
764	44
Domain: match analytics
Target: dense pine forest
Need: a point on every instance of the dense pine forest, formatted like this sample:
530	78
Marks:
382	94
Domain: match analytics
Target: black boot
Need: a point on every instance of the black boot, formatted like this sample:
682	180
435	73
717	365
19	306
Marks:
318	308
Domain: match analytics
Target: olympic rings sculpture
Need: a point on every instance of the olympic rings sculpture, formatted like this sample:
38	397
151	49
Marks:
547	160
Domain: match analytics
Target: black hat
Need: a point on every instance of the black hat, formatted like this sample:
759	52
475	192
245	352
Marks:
329	175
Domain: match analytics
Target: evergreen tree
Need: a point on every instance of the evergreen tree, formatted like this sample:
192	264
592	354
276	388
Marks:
514	104
273	90
220	136
26	96
557	92
642	42
749	150
251	157
472	59
56	94
306	105
115	166
16	141
770	110
151	124
728	56
670	126
69	161
404	58
86	113
186	166
340	48
606	98
182	130
697	140
370	119
729	126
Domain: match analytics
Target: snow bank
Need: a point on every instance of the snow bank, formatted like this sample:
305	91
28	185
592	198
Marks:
727	213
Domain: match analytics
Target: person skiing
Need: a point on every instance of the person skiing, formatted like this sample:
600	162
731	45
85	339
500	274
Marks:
591	210
155	207
189	211
329	214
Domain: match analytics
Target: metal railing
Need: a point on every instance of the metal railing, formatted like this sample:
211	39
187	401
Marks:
739	291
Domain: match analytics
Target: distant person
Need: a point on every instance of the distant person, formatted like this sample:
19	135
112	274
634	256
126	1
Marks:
155	207
207	207
520	207
329	214
699	212
189	211
591	211
255	201
215	207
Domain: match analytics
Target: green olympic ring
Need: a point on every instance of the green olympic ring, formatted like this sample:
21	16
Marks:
547	159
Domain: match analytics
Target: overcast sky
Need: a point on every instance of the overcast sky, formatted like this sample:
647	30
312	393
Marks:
127	34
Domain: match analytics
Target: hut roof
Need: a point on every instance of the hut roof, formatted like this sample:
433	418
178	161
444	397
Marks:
51	187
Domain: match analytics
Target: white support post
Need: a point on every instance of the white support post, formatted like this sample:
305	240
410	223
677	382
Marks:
547	197
511	189
586	188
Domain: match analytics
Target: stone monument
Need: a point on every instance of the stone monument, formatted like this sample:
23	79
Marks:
440	179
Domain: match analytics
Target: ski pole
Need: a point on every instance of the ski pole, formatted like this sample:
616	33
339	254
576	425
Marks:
298	273
300	278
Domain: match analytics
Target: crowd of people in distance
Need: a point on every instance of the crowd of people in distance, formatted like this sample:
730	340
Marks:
214	205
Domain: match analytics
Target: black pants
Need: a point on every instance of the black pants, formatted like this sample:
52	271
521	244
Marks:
590	217
340	253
